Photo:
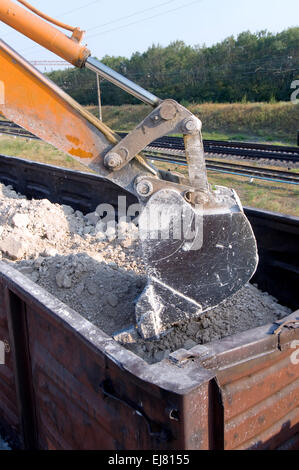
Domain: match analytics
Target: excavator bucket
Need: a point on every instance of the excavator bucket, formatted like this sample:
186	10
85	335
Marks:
195	256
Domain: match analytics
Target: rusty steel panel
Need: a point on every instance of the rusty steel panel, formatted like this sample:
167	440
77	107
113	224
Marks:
204	423
261	409
277	435
259	381
262	416
78	395
9	414
275	375
88	392
91	393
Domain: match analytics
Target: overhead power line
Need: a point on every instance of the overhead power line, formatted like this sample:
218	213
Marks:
135	22
110	22
50	62
145	19
61	15
82	6
130	16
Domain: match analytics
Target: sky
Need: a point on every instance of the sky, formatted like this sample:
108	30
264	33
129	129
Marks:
120	28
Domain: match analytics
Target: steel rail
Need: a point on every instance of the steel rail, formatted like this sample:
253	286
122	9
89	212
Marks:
243	149
156	153
234	169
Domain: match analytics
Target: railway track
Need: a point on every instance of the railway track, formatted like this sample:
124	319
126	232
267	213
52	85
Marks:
252	151
233	168
243	149
171	150
10	128
216	147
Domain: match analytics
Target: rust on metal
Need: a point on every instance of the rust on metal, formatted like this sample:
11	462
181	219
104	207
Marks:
288	323
8	399
45	110
88	392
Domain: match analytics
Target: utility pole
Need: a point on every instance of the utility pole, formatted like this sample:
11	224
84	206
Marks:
99	96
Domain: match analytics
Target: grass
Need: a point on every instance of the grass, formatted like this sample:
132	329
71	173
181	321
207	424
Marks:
30	149
269	122
268	195
256	122
261	194
262	122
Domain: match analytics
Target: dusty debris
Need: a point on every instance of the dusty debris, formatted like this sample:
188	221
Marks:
101	291
81	260
246	309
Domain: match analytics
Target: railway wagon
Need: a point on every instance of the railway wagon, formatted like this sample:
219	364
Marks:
67	385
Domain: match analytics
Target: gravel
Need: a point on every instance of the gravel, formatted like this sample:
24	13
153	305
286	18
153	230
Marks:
246	309
96	268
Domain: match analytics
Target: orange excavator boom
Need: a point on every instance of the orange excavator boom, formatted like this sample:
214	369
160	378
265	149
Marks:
43	33
190	270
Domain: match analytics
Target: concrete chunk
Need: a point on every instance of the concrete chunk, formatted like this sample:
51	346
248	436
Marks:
20	220
13	247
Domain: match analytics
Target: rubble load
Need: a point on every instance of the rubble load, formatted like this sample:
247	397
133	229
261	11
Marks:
96	268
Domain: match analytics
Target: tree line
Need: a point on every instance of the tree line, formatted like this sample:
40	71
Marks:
251	67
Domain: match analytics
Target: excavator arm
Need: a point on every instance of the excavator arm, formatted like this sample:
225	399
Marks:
38	105
198	245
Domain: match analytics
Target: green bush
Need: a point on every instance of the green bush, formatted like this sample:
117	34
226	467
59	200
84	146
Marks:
250	68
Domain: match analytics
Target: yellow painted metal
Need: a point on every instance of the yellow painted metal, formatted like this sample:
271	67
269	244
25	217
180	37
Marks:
45	34
34	102
31	100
